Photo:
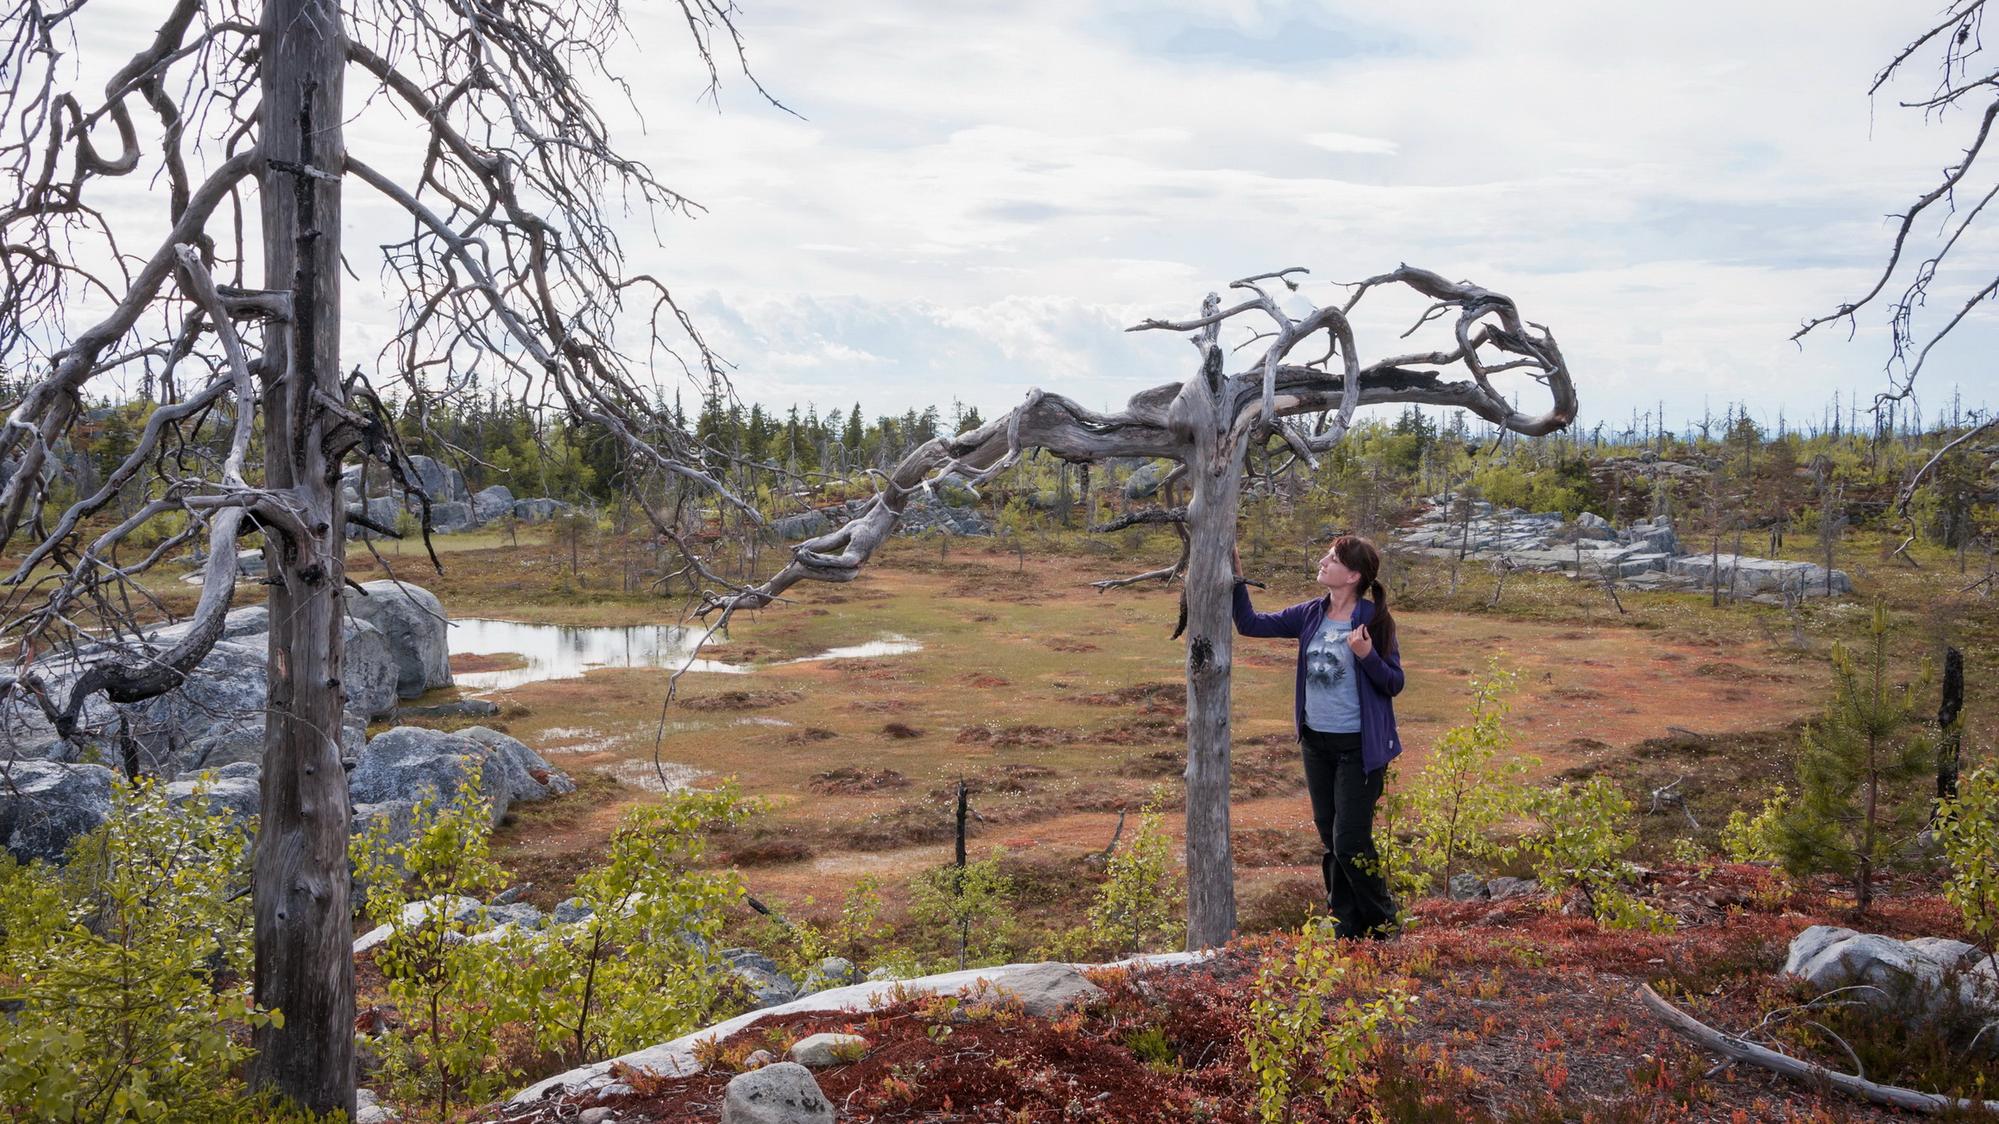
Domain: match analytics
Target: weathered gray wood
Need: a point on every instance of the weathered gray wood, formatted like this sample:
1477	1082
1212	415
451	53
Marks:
1729	1046
1215	466
301	889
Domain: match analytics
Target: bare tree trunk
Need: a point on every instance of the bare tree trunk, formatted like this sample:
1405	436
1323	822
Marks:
1949	733
304	939
1211	528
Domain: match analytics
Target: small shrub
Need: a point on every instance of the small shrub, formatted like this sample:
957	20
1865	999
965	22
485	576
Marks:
1580	844
437	978
1749	838
637	970
1968	830
127	969
972	905
1470	785
1139	905
1298	1038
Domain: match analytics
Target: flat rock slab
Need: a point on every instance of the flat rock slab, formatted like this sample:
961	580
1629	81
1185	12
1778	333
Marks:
676	1058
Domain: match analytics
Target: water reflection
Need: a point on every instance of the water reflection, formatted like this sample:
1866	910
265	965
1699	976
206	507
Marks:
890	645
562	652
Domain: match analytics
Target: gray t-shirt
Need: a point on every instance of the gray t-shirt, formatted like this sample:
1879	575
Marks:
1332	695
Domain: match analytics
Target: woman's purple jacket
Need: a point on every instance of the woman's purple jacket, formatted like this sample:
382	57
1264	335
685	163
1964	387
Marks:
1380	681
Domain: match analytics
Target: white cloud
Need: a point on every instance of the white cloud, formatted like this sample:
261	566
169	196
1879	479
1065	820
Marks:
979	198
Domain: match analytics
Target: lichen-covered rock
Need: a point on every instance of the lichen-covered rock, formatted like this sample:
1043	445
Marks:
491	503
406	763
44	805
413	620
235	790
784	1093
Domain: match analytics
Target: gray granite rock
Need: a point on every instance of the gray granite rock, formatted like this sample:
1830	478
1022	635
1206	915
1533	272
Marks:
1045	990
405	763
441	482
538	510
236	790
817	1051
413	620
44	805
492	503
784	1093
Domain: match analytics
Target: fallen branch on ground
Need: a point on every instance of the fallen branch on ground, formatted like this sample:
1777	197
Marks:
1776	1061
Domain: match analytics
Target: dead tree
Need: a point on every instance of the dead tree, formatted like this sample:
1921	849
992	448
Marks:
511	263
1207	423
1947	47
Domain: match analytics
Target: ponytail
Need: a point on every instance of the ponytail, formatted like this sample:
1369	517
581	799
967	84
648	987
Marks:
1382	629
1360	556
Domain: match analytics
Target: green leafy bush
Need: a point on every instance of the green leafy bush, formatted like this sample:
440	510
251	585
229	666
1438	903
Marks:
1139	907
1469	786
972	905
127	970
1747	838
1968	830
1299	1039
438	979
1581	844
639	969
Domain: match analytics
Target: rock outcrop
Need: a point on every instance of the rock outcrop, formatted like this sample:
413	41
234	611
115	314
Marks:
46	804
1648	553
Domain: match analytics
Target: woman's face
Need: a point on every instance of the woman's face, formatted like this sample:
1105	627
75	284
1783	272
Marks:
1333	573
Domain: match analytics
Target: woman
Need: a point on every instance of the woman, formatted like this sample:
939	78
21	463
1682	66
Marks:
1348	669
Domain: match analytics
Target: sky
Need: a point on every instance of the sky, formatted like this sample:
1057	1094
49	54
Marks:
969	200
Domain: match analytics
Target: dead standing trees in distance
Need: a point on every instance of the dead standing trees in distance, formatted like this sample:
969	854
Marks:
510	267
1301	390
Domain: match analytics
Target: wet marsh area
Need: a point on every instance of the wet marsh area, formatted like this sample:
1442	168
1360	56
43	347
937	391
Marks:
1057	705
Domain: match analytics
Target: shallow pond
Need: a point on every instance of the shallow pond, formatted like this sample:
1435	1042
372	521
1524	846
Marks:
561	652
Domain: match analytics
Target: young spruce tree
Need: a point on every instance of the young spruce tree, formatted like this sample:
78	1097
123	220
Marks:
1861	772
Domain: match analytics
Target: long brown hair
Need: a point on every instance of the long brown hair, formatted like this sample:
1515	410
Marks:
1360	556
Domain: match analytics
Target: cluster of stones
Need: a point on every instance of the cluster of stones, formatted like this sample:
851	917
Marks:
207	737
1915	982
1646	554
453	508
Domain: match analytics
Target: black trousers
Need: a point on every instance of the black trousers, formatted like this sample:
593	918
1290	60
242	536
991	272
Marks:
1344	794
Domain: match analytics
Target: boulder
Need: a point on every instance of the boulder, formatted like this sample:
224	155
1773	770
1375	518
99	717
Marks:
1894	977
817	1051
44	805
451	517
369	673
538	510
441	482
784	1093
1045	990
491	503
805	525
1146	480
385	510
235	790
216	717
404	764
413	620
1590	525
